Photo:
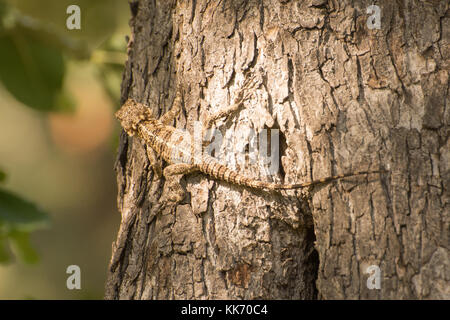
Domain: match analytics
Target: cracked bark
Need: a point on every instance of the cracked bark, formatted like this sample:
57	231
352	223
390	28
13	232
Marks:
345	98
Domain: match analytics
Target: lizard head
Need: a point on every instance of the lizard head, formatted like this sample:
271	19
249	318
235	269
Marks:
131	113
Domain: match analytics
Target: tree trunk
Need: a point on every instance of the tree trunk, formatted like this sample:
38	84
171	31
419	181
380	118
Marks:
345	97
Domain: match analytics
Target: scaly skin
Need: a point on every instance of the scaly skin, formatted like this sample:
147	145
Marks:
176	146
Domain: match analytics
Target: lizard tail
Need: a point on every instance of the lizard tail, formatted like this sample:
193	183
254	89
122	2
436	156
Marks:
221	172
277	186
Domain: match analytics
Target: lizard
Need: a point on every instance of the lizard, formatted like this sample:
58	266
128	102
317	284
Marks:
176	146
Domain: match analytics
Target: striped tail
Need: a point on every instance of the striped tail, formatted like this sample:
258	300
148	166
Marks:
221	172
275	186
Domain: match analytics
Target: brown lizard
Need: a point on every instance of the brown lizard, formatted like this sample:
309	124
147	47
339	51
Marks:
178	149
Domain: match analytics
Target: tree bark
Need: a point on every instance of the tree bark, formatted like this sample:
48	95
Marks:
345	98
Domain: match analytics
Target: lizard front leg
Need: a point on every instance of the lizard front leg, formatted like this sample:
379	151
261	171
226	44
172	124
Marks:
154	163
224	112
243	94
170	115
208	120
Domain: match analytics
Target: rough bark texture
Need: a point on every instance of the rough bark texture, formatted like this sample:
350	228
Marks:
345	98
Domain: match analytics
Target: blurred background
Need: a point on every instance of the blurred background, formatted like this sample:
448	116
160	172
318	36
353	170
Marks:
59	89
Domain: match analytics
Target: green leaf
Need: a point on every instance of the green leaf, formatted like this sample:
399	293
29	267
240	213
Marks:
20	242
18	218
31	70
20	215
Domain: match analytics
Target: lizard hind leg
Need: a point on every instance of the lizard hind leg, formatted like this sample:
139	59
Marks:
178	168
173	174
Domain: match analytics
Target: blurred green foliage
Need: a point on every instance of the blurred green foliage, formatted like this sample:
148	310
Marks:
36	44
35	48
31	71
18	218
